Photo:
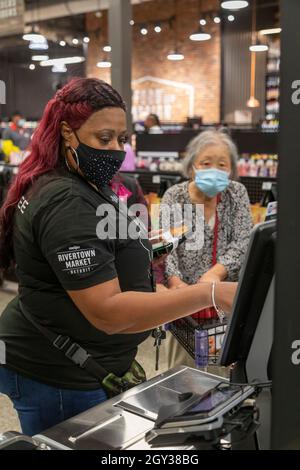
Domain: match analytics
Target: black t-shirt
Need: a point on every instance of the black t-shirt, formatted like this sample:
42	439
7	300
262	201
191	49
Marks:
57	249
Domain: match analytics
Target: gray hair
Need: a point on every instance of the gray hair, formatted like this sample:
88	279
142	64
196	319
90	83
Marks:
205	139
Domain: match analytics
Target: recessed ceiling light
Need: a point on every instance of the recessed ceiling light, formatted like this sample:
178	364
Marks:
31	66
217	19
202	22
86	39
144	31
231	18
107	48
75	41
157	28
62	43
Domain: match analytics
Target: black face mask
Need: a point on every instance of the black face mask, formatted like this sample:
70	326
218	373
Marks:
98	166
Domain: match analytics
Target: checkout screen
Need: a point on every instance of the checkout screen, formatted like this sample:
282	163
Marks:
212	399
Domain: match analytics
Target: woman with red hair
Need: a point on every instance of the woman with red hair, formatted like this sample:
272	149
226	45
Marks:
91	296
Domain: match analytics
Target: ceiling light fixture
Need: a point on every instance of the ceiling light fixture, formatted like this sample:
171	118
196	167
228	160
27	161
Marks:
107	48
63	60
62	43
144	31
38	46
234	4
203	22
231	18
75	41
175	55
265	32
258	47
200	35
131	22
104	64
34	37
217	19
157	28
59	68
31	66
86	39
39	58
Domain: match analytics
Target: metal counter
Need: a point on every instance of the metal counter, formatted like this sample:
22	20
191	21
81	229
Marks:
123	421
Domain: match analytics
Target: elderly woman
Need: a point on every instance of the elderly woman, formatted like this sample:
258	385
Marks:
210	165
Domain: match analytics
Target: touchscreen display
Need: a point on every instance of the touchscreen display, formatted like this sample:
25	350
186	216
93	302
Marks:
212	399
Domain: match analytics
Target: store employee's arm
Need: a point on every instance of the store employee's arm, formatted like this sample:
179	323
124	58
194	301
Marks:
113	311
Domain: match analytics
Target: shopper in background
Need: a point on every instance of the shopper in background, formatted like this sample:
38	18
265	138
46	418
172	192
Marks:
15	138
152	124
130	158
96	290
211	166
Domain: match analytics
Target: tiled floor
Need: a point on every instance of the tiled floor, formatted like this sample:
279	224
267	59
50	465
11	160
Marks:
146	356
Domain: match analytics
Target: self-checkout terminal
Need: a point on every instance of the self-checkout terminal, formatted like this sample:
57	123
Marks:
189	408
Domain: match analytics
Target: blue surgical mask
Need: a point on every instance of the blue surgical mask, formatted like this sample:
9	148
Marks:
211	181
21	122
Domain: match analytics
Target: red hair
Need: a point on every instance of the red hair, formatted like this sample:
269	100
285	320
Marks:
74	103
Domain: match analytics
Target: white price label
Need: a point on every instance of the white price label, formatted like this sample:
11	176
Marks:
156	179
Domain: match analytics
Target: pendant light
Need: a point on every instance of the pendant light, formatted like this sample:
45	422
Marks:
200	34
258	47
253	102
175	54
234	4
256	44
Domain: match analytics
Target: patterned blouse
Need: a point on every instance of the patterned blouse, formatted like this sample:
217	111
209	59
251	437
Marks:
234	229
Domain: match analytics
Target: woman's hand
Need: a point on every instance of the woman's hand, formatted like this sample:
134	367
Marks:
217	273
225	294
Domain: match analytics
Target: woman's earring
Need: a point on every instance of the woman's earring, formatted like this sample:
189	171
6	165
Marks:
74	155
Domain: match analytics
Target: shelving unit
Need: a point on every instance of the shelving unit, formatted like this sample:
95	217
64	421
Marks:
273	83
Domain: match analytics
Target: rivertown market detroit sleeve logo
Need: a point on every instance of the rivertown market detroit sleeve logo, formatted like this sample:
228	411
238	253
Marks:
77	260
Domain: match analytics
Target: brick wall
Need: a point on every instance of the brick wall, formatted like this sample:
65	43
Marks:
200	71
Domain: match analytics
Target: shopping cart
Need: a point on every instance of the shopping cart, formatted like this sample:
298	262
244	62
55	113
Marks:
201	338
